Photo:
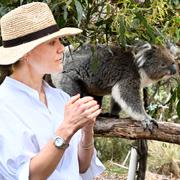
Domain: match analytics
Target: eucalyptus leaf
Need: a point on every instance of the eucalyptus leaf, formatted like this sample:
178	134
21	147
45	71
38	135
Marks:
79	10
108	9
149	29
122	30
65	15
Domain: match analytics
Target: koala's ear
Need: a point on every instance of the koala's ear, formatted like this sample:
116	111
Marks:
174	49
140	47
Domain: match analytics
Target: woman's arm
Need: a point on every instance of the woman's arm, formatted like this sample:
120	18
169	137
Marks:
86	145
86	149
77	114
44	163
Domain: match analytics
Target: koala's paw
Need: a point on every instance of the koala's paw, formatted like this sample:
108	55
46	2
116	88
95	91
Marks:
149	124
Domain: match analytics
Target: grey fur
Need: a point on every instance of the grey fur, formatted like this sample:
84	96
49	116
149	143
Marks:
101	70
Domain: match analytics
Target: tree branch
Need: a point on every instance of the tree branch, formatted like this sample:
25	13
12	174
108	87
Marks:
132	129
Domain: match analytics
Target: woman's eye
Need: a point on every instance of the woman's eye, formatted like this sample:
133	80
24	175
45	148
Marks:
52	43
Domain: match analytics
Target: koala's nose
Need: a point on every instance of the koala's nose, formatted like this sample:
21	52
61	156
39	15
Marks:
173	69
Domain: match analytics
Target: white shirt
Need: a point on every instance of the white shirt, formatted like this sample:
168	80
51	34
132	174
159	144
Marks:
26	125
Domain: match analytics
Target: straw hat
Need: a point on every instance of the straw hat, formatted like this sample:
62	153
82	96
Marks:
26	27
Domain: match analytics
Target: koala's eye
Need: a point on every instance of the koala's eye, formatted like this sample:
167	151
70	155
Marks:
163	65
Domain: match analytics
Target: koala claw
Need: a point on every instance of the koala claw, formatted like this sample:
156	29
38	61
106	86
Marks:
154	123
149	124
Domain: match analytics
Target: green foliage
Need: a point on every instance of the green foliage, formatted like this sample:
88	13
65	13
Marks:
120	21
175	99
165	101
114	149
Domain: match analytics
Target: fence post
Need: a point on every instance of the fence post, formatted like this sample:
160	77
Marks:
132	164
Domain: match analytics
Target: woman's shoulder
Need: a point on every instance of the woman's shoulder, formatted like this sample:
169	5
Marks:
4	92
57	92
62	93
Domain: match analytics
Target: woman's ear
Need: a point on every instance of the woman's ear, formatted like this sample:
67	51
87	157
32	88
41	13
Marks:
27	55
25	58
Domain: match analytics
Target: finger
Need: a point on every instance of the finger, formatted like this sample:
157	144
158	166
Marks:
82	105
89	107
81	108
73	99
91	110
90	104
84	100
94	114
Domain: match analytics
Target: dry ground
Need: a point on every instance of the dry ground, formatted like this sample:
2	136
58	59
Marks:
149	176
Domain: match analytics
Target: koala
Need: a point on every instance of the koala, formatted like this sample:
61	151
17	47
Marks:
101	70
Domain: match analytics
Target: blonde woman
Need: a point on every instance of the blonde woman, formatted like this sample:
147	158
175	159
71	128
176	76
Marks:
44	134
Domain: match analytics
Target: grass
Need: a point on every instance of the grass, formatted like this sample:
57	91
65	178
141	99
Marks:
164	158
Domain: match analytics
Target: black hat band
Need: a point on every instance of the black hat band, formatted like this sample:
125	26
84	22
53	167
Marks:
30	37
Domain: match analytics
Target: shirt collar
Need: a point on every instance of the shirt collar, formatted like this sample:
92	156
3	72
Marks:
23	87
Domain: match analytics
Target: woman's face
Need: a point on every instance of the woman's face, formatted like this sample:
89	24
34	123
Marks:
47	57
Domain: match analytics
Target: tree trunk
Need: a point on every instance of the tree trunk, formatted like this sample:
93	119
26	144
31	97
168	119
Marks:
142	148
132	129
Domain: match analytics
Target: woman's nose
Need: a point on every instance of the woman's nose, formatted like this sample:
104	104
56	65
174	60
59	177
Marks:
60	47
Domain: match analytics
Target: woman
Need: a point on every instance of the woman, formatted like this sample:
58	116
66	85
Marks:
44	134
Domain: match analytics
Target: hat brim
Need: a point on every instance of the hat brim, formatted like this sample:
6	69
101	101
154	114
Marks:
13	54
